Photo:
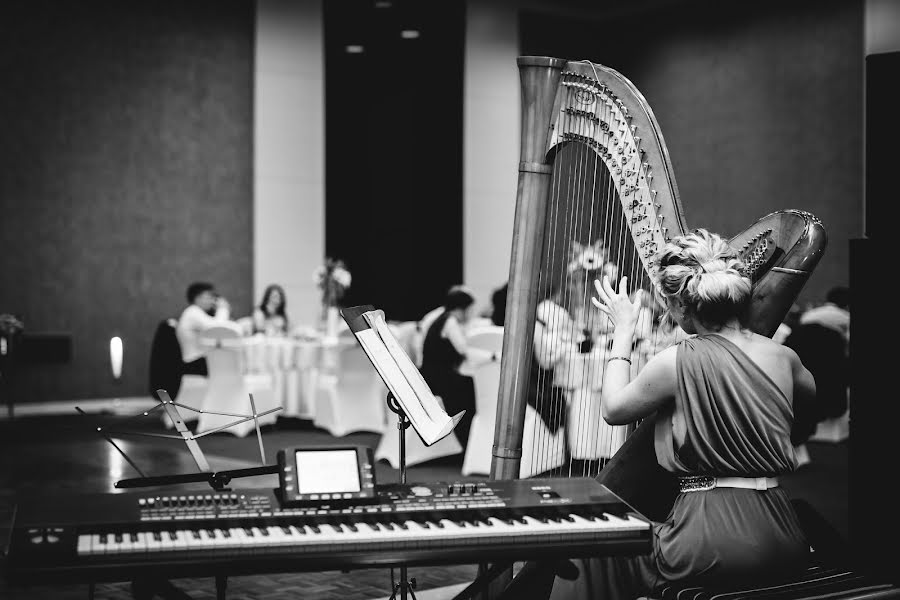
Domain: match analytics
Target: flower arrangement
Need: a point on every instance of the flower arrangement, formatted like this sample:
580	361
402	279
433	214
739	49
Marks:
10	325
333	279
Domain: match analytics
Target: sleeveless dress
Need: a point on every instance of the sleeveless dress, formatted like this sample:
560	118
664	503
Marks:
440	369
735	422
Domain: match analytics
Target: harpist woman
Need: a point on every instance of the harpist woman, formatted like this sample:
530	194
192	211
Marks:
724	400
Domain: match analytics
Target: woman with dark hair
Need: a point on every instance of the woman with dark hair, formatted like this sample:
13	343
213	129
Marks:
444	351
270	317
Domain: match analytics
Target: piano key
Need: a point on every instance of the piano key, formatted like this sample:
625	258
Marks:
83	547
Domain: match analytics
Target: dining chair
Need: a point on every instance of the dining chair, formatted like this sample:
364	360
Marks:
417	452
486	376
230	385
166	367
350	395
542	449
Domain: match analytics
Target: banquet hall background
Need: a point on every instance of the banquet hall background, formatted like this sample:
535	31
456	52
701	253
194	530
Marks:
148	145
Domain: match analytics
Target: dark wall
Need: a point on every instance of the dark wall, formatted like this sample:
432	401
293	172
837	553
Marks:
760	105
393	157
127	173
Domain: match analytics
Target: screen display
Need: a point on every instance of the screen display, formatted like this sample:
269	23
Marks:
327	471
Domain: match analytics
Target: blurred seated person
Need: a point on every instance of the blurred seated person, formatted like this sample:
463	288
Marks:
269	317
790	322
834	313
426	321
205	309
823	350
570	335
444	351
655	329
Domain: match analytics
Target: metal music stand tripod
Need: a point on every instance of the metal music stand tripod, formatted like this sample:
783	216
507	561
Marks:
404	586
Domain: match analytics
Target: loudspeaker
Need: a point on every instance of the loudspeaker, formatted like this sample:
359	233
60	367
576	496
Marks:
874	411
882	135
44	348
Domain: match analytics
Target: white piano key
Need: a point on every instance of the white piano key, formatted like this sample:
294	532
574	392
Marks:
181	541
154	544
141	544
84	545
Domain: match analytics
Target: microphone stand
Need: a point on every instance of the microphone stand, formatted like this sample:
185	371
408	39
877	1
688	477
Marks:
404	586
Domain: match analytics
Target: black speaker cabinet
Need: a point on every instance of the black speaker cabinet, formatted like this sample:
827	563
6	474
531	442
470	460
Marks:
874	406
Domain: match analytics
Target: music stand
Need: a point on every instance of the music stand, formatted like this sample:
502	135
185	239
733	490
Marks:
218	480
409	394
405	586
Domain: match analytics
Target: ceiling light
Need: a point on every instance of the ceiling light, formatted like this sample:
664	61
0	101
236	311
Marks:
383	4
354	49
409	34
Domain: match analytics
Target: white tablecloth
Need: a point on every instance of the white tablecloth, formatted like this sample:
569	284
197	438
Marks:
294	365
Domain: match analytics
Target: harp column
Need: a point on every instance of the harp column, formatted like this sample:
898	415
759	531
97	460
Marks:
539	78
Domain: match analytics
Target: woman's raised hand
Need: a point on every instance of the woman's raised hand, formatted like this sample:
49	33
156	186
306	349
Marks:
616	304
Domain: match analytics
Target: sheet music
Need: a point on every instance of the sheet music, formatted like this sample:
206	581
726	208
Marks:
412	374
403	379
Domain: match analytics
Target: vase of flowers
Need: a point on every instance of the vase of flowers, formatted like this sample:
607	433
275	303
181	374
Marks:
333	279
10	329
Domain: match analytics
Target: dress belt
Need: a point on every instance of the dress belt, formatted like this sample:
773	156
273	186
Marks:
701	483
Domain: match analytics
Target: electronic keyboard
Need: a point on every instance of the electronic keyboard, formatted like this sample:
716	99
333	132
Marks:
122	536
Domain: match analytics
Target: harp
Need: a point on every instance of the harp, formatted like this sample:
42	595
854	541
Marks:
597	194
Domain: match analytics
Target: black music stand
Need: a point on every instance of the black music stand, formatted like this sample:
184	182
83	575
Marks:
390	367
404	586
146	589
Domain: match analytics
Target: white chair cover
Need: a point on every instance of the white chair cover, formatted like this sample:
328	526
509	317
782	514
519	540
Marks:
541	449
191	393
487	385
416	451
350	395
230	386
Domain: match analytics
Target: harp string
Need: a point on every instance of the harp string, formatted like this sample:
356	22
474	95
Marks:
584	207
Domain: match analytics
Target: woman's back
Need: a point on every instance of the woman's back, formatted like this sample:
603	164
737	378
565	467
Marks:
773	358
735	422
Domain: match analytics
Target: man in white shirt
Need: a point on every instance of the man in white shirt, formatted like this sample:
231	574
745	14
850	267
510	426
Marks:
205	309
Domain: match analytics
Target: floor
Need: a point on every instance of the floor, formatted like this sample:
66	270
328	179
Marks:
66	454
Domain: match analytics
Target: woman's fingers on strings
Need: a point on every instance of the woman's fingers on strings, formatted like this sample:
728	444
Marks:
599	305
598	285
602	298
607	287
